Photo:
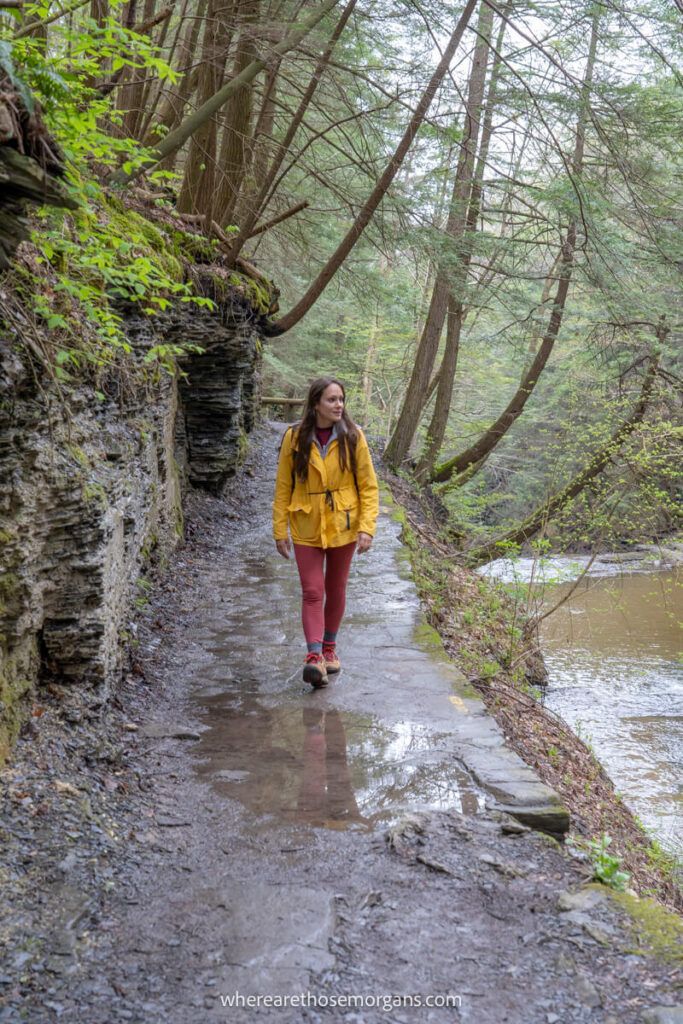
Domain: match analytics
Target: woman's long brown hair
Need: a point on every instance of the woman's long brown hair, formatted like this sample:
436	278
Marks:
304	431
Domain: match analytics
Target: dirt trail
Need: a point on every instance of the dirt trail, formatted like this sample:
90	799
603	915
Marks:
252	837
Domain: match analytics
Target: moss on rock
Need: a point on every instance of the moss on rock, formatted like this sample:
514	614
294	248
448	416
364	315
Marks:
255	292
17	669
656	930
129	224
427	636
10	587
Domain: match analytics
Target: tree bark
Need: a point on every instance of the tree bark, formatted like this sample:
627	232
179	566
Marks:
551	276
413	403
238	111
175	139
368	209
482	448
257	150
152	87
198	191
418	385
131	90
99	12
485	444
159	91
261	199
538	519
173	107
368	368
471	184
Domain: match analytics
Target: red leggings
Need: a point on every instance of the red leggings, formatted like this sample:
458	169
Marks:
317	584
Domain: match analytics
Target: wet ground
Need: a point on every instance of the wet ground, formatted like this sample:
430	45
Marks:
220	833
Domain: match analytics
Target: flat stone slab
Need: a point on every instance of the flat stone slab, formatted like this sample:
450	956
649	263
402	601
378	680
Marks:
664	1015
398	727
427	682
273	936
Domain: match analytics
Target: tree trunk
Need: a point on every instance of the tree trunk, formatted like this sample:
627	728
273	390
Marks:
482	448
231	163
413	403
173	107
175	139
176	42
152	87
368	209
366	385
129	98
446	377
538	519
256	161
414	400
471	185
261	199
197	194
99	12
551	277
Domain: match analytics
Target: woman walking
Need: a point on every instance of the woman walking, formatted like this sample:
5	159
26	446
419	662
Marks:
326	489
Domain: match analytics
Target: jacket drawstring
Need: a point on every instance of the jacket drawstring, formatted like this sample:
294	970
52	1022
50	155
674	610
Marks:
329	500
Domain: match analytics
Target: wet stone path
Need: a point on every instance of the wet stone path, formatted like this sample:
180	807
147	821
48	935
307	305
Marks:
333	853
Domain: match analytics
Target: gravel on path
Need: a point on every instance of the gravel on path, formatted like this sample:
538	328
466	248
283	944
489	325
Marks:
140	886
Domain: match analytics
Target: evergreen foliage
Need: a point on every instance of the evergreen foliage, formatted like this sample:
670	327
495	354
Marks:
575	164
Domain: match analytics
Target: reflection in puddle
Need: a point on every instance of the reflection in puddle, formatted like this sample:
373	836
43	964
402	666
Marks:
291	756
315	764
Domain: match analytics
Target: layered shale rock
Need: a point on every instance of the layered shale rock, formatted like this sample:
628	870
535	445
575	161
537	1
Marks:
220	392
89	490
30	164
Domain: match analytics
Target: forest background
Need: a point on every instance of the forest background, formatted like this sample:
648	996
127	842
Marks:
473	214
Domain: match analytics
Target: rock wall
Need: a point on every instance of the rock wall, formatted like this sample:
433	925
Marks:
219	396
91	491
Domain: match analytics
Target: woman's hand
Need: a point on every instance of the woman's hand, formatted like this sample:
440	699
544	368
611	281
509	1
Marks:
284	547
364	542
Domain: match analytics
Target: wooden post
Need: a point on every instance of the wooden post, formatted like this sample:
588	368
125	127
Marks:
282	401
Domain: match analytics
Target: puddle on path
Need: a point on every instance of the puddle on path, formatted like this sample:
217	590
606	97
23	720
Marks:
372	744
309	762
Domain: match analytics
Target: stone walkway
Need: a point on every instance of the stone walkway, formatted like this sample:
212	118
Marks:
398	704
347	848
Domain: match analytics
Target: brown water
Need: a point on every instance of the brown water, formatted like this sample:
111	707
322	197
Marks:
615	661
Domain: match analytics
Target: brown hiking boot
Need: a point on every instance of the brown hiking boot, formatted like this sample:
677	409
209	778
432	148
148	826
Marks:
332	662
315	671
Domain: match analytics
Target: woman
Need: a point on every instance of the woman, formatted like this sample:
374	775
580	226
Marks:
326	489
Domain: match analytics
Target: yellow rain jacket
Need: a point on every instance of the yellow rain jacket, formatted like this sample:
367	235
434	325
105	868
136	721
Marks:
326	510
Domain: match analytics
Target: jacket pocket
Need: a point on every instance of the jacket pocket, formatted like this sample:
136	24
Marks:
303	524
347	498
296	505
347	510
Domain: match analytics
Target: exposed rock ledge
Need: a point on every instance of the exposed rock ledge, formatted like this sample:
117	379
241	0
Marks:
88	491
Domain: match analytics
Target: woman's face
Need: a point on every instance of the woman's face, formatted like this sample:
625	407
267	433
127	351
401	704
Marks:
331	404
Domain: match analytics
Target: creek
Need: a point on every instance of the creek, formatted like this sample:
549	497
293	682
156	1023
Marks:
613	654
